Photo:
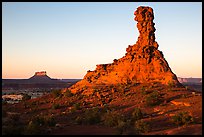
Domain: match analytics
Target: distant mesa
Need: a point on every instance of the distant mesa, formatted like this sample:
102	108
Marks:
38	80
190	80
40	77
41	73
143	62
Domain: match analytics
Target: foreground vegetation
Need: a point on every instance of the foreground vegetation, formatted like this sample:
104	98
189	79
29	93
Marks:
127	109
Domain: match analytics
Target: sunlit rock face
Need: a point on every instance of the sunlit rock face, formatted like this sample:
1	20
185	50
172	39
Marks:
142	63
41	73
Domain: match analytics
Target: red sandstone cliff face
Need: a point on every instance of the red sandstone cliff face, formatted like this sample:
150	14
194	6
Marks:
143	62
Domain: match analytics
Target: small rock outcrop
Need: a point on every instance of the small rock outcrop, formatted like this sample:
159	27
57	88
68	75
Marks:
143	62
41	73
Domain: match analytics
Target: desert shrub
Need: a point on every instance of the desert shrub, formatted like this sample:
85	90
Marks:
32	129
56	93
153	99
144	92
170	84
68	93
43	121
111	119
50	121
123	125
142	88
34	126
120	87
116	120
77	106
141	126
55	106
182	118
26	97
93	116
38	120
79	120
137	114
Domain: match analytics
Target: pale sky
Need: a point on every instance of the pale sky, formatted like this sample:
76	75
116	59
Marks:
67	39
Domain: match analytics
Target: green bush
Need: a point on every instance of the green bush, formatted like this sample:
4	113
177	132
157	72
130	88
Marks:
77	106
170	84
144	92
92	116
50	121
32	129
137	114
68	93
153	99
38	120
141	126
79	120
43	121
116	120
123	125
111	119
142	88
35	124
182	118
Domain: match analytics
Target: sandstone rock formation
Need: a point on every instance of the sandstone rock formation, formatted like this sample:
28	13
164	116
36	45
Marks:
143	62
41	73
40	77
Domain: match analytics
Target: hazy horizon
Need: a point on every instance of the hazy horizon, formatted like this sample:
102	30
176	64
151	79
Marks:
67	39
